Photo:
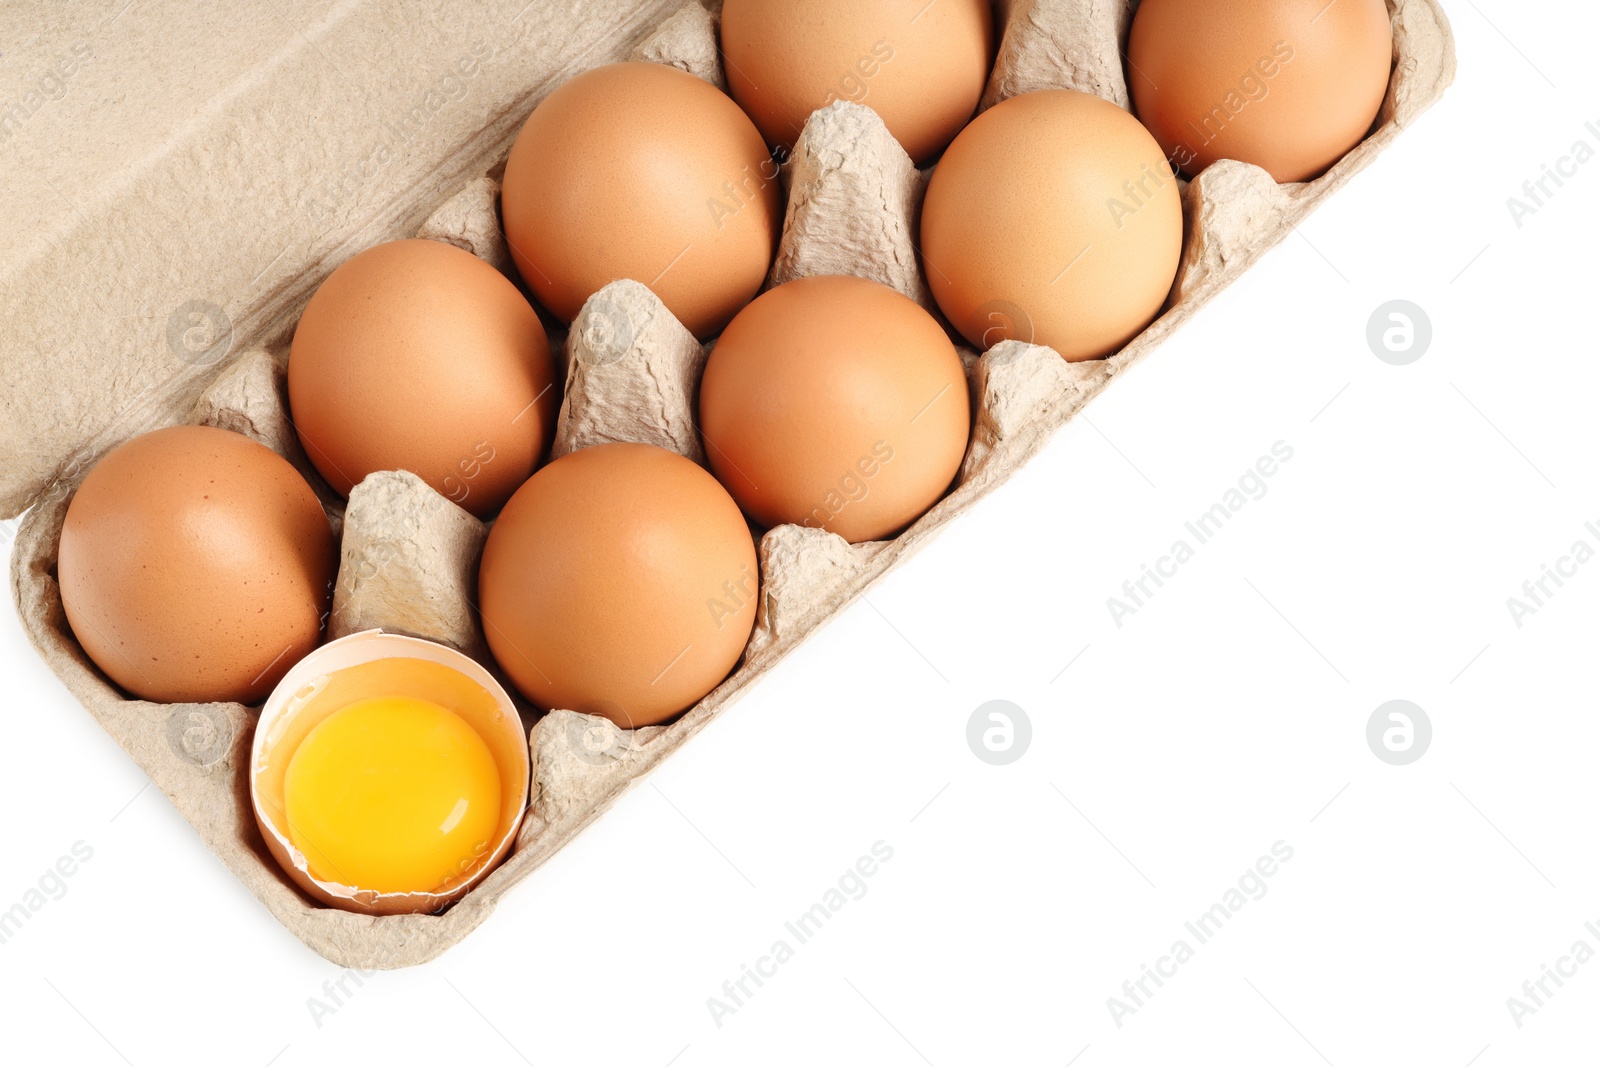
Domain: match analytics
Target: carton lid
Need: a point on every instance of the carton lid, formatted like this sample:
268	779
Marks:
174	194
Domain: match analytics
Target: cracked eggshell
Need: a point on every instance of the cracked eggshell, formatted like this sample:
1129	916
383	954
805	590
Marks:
369	664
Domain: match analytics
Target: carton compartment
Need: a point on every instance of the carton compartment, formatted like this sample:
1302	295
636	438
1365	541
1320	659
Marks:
409	556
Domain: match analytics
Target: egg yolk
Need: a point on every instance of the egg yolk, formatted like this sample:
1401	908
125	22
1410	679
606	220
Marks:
392	795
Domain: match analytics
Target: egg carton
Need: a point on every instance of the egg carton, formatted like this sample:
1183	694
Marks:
409	556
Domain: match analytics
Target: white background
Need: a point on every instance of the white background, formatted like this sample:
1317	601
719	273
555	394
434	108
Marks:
1227	715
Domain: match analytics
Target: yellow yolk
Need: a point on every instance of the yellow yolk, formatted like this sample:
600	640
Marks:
393	795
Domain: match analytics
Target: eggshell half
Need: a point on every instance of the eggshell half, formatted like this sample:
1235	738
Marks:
372	664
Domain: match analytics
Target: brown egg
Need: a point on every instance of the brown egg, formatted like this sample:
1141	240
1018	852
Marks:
1052	219
418	356
920	66
641	171
195	565
620	581
837	403
1289	85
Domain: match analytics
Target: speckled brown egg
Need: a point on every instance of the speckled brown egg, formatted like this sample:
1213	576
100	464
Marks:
1054	219
195	565
922	67
1289	85
641	171
621	581
418	356
837	403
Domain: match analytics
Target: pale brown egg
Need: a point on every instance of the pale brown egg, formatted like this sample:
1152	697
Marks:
621	581
1289	85
418	356
922	67
1053	219
837	403
641	171
195	565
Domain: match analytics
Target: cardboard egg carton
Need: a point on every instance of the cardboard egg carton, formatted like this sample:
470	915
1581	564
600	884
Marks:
409	556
